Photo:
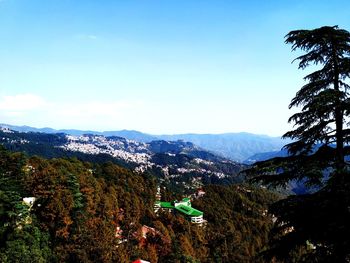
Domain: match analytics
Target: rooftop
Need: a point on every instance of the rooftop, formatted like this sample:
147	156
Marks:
183	206
166	205
190	211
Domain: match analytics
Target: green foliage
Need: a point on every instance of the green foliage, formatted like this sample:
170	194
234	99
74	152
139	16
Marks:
26	245
74	186
238	225
19	242
12	211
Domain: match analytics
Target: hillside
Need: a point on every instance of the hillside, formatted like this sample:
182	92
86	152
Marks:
178	162
265	156
88	212
234	146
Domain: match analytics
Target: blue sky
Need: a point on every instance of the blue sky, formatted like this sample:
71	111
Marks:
170	66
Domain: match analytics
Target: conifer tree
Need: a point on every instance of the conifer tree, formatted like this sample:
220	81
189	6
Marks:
320	143
324	97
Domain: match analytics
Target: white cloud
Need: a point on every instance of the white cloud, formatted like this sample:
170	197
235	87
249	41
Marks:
21	102
33	110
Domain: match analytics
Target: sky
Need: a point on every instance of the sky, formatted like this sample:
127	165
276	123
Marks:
156	66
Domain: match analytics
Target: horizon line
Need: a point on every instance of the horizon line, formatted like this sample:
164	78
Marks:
133	130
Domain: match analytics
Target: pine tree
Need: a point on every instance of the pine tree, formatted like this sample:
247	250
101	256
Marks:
324	98
317	152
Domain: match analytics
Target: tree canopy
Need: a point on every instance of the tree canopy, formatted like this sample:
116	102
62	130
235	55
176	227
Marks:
92	212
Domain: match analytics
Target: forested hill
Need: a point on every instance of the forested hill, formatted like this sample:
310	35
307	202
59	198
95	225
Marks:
88	212
234	146
179	162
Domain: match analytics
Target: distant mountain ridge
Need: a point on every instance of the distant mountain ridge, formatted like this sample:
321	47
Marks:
235	146
258	157
175	161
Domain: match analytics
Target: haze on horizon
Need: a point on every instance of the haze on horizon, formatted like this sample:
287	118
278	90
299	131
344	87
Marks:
160	67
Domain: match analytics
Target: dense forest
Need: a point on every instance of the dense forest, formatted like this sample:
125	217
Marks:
88	212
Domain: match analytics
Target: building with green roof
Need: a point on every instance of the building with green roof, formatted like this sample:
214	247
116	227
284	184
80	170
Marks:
184	207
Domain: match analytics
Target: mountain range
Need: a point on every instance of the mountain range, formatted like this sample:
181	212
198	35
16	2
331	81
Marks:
240	147
178	162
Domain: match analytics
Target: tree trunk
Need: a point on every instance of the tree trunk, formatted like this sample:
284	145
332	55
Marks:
338	112
339	137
